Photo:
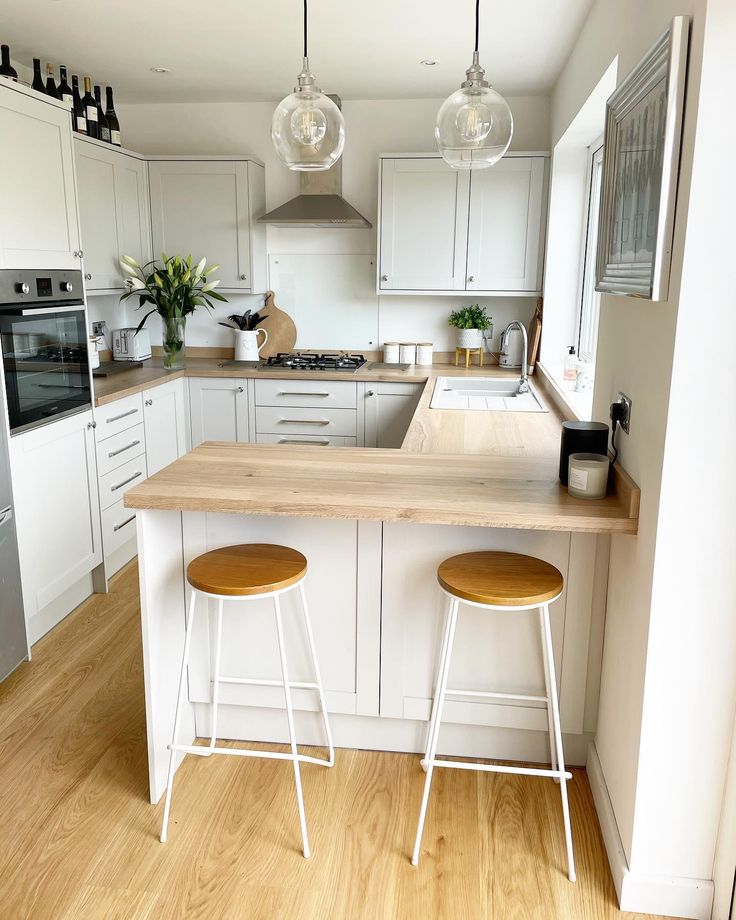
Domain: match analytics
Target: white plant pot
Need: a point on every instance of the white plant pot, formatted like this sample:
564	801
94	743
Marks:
469	338
246	344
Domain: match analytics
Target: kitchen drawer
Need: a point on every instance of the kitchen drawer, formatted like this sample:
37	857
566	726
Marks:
119	415
115	484
117	450
297	420
331	394
326	441
118	526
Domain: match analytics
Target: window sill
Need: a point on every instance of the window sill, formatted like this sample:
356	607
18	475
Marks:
573	406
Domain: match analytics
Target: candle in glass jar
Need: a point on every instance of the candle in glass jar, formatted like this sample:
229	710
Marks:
587	475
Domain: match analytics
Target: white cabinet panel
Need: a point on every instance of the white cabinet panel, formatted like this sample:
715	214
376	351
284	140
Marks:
505	226
57	510
316	439
334	394
423	225
207	208
389	409
115	484
219	409
38	217
118	528
133	214
118	416
164	413
118	449
299	420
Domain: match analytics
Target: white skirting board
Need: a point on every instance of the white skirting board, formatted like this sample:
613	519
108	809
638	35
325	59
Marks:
672	896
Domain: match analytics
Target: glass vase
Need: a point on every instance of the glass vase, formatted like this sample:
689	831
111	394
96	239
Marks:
173	340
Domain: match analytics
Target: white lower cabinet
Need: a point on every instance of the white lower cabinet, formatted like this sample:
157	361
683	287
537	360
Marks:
389	409
58	517
218	409
136	437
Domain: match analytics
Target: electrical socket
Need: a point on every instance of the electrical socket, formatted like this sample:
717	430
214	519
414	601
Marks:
623	400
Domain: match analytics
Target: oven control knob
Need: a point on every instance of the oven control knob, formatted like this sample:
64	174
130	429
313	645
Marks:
67	287
22	288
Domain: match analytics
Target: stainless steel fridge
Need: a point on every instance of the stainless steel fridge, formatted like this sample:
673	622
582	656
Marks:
13	640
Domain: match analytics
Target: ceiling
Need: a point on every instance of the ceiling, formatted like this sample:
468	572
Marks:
250	50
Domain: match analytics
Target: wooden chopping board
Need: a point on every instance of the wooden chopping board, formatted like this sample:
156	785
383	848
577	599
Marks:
535	335
280	328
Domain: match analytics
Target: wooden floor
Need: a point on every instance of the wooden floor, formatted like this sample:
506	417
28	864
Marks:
79	840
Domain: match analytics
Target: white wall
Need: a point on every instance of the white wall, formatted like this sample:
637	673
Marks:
667	690
372	127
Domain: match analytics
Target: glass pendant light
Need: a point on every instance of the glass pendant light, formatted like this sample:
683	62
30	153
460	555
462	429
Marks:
474	125
307	129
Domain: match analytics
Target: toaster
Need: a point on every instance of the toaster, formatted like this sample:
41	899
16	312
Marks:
127	346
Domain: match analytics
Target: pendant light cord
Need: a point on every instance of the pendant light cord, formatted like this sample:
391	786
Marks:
477	19
305	29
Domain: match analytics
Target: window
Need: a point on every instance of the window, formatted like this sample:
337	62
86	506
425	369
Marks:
590	299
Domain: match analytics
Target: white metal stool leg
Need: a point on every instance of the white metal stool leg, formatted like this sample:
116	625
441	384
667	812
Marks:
435	734
177	716
317	675
216	681
292	733
544	614
440	670
550	719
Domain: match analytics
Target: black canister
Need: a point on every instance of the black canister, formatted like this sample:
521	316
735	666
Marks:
581	438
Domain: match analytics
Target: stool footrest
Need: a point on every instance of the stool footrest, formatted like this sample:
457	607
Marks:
497	695
257	682
206	750
496	768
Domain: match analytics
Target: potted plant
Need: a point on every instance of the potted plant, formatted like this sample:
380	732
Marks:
470	322
175	289
244	325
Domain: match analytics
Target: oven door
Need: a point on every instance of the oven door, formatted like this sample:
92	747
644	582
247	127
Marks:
45	363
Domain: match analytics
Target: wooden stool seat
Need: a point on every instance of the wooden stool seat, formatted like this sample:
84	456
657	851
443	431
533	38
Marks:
500	579
250	568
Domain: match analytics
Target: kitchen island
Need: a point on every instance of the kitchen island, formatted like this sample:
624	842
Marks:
374	524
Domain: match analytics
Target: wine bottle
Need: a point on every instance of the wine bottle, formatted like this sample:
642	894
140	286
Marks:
37	78
65	91
6	69
51	89
90	109
79	121
112	119
101	117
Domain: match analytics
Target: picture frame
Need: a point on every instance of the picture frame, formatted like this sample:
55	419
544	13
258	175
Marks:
640	170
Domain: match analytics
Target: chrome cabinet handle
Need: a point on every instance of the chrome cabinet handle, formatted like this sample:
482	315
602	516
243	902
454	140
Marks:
148	402
300	393
370	393
240	390
125	482
384	277
303	441
79	254
471	278
243	277
116	418
88	277
120	450
304	421
118	527
91	425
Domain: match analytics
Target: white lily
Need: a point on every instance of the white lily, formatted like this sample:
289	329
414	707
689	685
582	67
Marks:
210	286
128	269
200	267
135	284
129	260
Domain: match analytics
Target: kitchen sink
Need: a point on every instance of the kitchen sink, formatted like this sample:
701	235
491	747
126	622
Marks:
487	394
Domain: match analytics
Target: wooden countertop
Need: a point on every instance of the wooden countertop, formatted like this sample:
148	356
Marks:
493	469
388	485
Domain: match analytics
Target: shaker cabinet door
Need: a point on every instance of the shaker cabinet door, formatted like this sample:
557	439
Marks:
38	215
219	409
423	225
165	424
98	216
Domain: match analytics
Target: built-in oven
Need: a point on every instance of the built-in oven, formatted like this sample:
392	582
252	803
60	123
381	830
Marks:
45	359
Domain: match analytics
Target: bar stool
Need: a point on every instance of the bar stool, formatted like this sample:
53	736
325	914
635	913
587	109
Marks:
250	571
496	581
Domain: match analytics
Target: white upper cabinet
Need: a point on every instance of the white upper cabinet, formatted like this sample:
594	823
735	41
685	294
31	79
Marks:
505	226
443	230
113	212
209	208
38	215
423	225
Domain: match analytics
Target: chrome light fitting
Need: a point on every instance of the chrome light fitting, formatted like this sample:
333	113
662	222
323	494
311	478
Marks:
474	125
307	128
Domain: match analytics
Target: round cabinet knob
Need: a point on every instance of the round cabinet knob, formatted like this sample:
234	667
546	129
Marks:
370	393
384	277
243	277
88	277
240	389
21	288
149	402
67	287
471	278
78	254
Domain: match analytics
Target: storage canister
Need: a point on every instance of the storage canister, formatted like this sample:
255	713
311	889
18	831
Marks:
407	353
424	353
391	352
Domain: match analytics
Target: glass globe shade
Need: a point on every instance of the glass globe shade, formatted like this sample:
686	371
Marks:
308	130
474	127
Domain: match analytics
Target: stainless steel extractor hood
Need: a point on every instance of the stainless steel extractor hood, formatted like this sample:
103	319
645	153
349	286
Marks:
319	202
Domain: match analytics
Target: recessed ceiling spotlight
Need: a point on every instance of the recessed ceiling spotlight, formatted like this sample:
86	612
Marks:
429	62
159	70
